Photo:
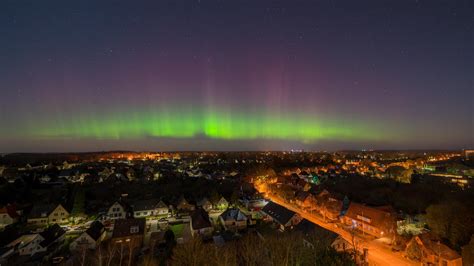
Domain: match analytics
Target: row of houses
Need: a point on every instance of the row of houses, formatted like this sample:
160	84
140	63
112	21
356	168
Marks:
152	207
378	222
30	244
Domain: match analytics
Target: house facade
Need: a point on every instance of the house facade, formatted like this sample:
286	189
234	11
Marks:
27	245
281	216
129	232
48	214
430	251
183	205
233	219
222	204
8	216
205	204
162	209
373	221
201	224
328	206
144	208
89	239
305	200
118	210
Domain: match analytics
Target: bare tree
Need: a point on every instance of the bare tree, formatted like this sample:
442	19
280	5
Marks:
110	253
83	254
132	245
192	253
354	242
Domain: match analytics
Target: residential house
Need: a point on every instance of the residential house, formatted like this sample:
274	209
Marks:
233	219
328	206
430	251
145	208
27	245
119	210
253	202
129	232
280	215
30	244
43	214
313	233
162	209
378	222
305	200
53	237
183	205
222	204
8	215
201	224
89	239
205	204
301	184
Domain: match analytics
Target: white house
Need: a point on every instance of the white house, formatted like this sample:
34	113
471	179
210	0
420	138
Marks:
31	244
233	219
8	215
89	239
27	244
162	208
118	210
48	214
145	208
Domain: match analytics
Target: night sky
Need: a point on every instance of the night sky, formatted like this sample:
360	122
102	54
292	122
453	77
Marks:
236	75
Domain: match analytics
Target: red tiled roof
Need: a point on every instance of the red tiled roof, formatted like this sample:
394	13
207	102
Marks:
10	210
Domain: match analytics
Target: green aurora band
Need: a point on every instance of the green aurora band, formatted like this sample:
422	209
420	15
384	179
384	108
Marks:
215	124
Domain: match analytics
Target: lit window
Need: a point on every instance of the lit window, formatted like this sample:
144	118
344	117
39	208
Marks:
134	229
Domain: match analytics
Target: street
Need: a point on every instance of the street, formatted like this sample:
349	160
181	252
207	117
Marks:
379	254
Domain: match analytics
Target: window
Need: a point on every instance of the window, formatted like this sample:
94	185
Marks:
363	218
134	229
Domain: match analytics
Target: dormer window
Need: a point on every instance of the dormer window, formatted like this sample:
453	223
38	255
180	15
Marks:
134	229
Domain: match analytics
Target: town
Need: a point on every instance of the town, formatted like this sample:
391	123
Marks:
238	208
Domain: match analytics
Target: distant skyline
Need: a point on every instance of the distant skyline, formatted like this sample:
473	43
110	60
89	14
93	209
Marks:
236	75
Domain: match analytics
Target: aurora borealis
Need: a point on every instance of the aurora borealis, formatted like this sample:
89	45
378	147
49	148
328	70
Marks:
236	75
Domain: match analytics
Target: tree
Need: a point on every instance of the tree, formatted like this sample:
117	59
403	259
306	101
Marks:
414	251
192	253
452	221
170	238
468	253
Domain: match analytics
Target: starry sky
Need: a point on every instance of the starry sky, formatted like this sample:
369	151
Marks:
236	75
